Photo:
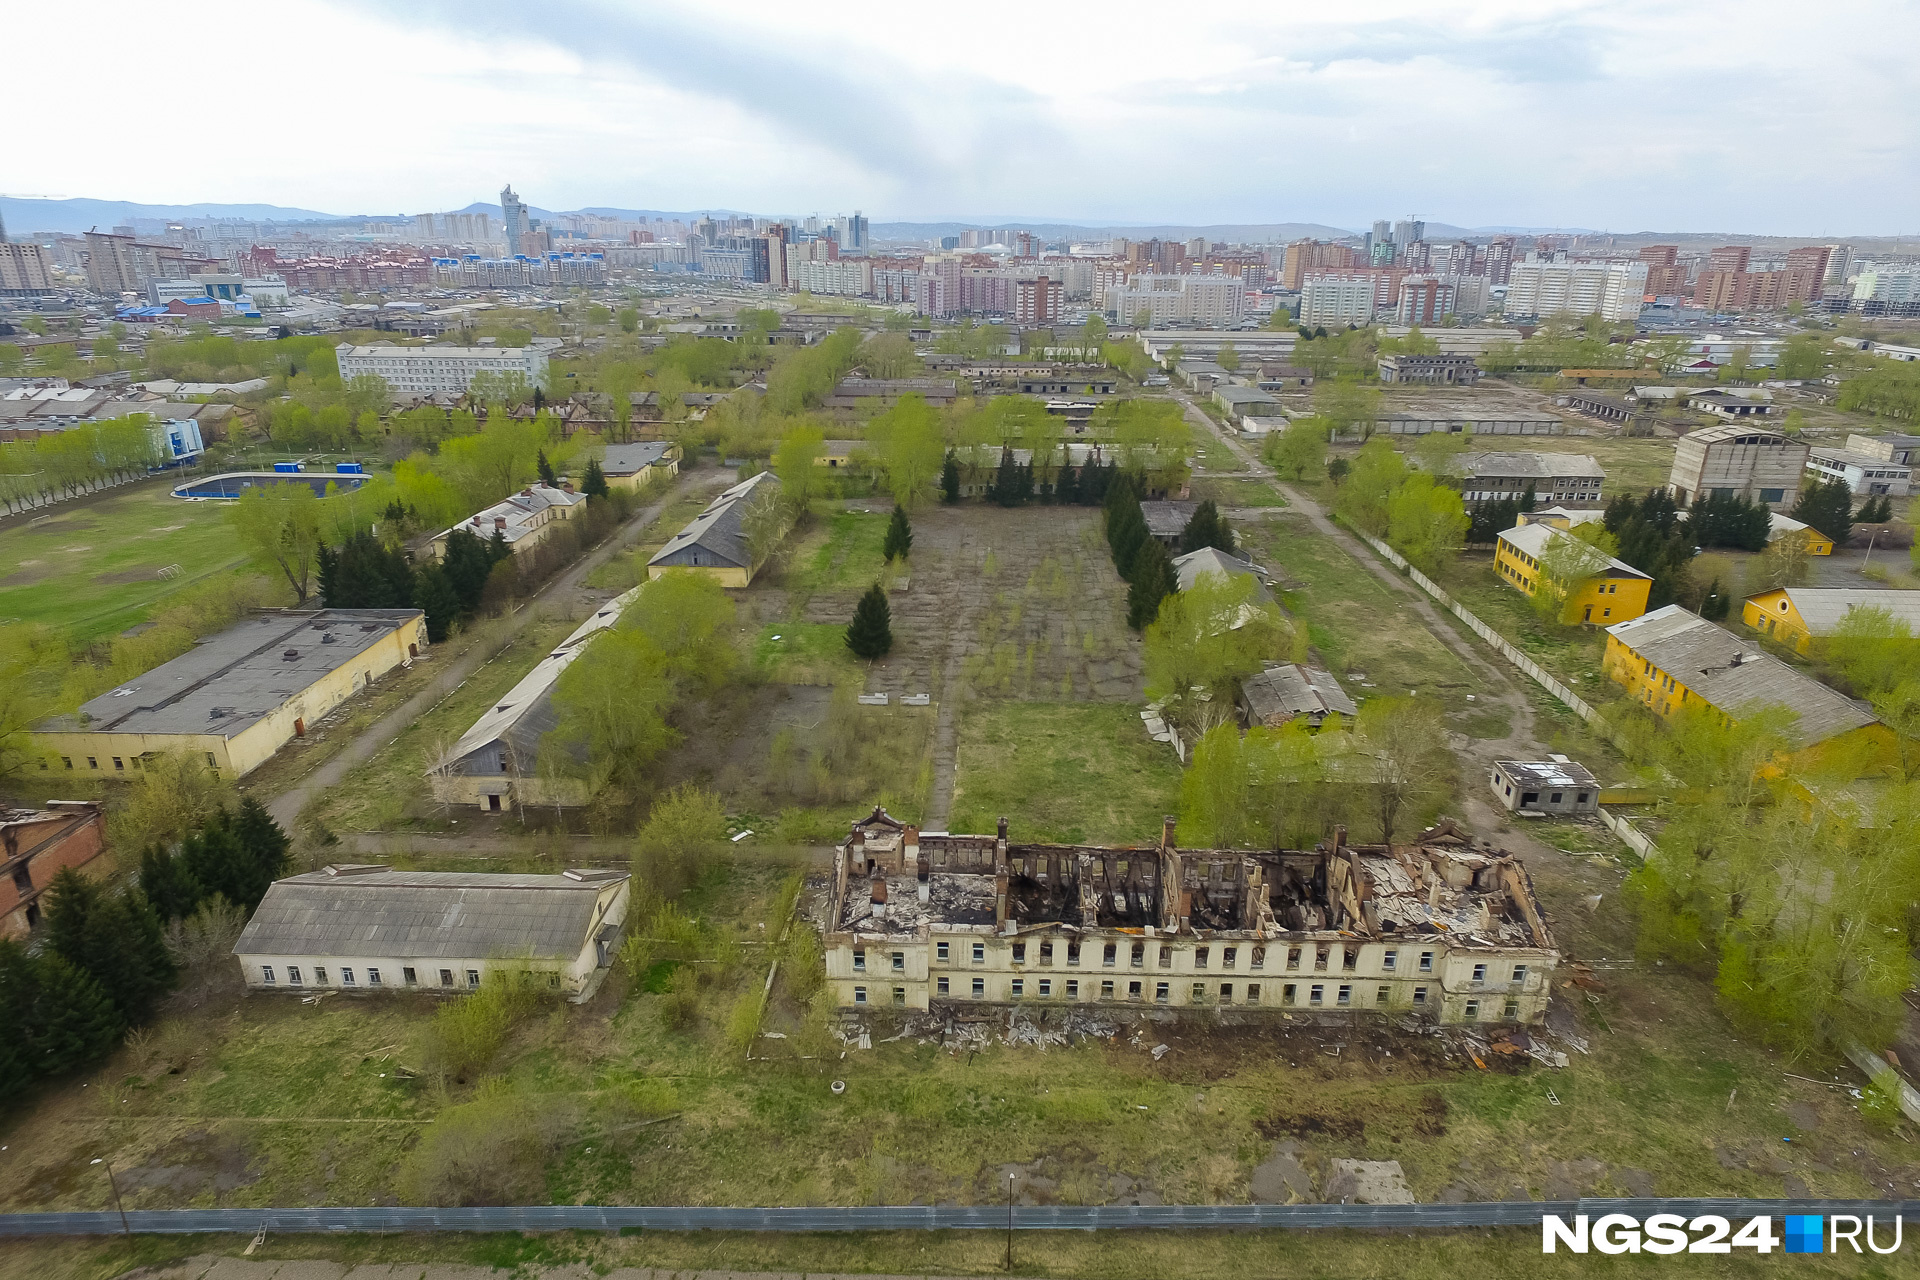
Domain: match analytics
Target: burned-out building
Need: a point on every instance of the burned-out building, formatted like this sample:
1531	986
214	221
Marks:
1444	927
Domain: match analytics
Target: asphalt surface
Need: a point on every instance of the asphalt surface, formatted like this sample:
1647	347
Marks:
1508	1213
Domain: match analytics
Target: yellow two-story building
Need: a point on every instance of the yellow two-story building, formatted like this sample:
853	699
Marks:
1613	593
1795	615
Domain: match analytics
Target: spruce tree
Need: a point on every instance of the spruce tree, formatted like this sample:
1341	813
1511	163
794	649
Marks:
127	955
899	541
1006	482
870	634
71	1022
1714	607
466	565
594	485
1827	505
1066	486
547	476
266	847
950	479
436	596
17	988
72	901
1153	581
219	862
169	886
1126	534
1206	527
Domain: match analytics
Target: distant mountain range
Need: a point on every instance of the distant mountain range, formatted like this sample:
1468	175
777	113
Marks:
24	215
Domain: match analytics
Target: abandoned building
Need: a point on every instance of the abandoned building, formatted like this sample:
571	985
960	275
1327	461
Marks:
1553	785
1445	927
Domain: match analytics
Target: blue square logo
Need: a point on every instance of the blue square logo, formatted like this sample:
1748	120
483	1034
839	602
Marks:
1804	1232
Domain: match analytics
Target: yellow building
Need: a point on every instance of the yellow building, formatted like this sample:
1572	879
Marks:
1818	543
1670	659
1795	615
237	697
715	542
1612	594
635	466
837	455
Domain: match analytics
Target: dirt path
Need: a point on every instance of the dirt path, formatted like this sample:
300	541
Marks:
566	590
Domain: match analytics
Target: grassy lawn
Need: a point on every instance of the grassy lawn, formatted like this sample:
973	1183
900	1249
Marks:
1571	653
253	1101
388	791
1076	772
95	569
1236	491
1357	623
804	653
841	550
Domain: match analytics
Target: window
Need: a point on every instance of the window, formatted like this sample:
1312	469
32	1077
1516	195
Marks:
1419	995
1106	955
1133	990
266	974
1073	988
1772	495
1479	973
1556	797
1253	993
1106	989
119	764
1137	955
93	762
979	953
1318	995
1073	953
1293	957
1259	958
1019	987
1166	956
67	761
1519	973
553	981
320	975
899	997
1346	994
1581	798
859	995
1200	957
1382	994
1350	958
940	986
899	962
859	959
1388	960
979	988
1229	956
1019	953
1198	993
407	976
1289	994
1473	1010
446	977
373	977
940	952
1426	962
1320	956
1512	1011
1046	988
1046	953
211	762
1226	993
346	977
293	975
473	977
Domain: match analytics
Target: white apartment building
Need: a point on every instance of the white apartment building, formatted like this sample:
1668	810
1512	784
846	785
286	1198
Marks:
1209	300
1881	285
1613	290
850	277
1336	300
417	370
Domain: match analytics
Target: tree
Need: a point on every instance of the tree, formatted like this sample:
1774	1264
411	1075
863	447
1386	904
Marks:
1206	527
950	479
1872	649
612	702
911	448
1827	505
1363	499
1426	522
1785	563
69	1021
1408	766
1716	604
1301	448
629	320
279	526
266	845
1725	520
870	634
796	460
1228	358
688	619
899	540
890	356
594	483
365	573
167	882
545	468
1208	638
433	594
1152	581
1565	563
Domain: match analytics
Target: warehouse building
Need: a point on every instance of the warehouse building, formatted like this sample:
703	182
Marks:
236	697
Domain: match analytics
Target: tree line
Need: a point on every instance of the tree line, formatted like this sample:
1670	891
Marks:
76	460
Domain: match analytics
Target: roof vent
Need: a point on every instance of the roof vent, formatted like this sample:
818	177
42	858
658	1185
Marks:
326	637
289	655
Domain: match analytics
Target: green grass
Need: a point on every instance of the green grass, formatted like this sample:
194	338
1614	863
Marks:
1571	653
1632	465
94	569
1236	491
842	550
804	653
1075	772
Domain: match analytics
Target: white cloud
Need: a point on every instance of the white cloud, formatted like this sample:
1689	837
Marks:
1759	116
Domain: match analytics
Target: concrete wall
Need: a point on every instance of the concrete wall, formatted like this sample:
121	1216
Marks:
1703	466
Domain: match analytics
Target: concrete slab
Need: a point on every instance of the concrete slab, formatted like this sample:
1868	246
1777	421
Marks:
1367	1182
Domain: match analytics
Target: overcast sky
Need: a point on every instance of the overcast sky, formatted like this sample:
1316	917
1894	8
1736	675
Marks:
1757	115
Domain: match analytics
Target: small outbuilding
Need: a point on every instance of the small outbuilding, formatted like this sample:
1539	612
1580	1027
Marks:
1553	785
1293	691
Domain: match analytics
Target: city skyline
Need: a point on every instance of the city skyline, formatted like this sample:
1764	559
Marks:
1478	115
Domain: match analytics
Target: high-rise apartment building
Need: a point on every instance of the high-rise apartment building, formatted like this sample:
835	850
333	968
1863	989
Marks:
1612	290
1345	299
1839	261
1038	302
1729	257
1425	300
514	214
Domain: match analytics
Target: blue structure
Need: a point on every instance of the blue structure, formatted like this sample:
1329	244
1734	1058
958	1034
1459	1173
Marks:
288	466
180	438
349	469
235	483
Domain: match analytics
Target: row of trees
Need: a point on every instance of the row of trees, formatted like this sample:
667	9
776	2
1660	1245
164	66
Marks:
1423	519
1138	556
77	460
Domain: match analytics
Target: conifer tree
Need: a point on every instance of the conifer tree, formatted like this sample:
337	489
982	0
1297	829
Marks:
266	846
547	476
1207	528
899	541
72	901
17	987
870	634
1006	483
1153	581
950	479
1066	486
219	862
127	955
70	1022
594	485
169	886
1714	607
433	594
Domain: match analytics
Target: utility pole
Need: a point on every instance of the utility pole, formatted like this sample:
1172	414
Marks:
115	1188
1010	1222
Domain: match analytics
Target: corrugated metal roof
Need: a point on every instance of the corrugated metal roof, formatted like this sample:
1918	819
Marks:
426	914
717	530
1824	608
1736	675
1295	689
1534	538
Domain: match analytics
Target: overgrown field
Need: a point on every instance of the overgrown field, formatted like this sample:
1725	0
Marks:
94	568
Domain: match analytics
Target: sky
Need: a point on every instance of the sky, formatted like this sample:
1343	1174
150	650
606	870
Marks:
1758	116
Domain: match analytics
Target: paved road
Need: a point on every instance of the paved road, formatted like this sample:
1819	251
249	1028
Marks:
1510	1213
564	589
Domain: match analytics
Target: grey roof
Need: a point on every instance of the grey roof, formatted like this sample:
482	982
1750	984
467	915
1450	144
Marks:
229	682
1188	568
1168	518
461	915
1528	464
1734	432
1548	773
716	533
1823	608
1736	675
1241	396
1534	539
1295	689
630	459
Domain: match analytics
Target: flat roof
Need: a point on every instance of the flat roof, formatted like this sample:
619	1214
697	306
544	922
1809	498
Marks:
231	681
1548	773
1529	464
